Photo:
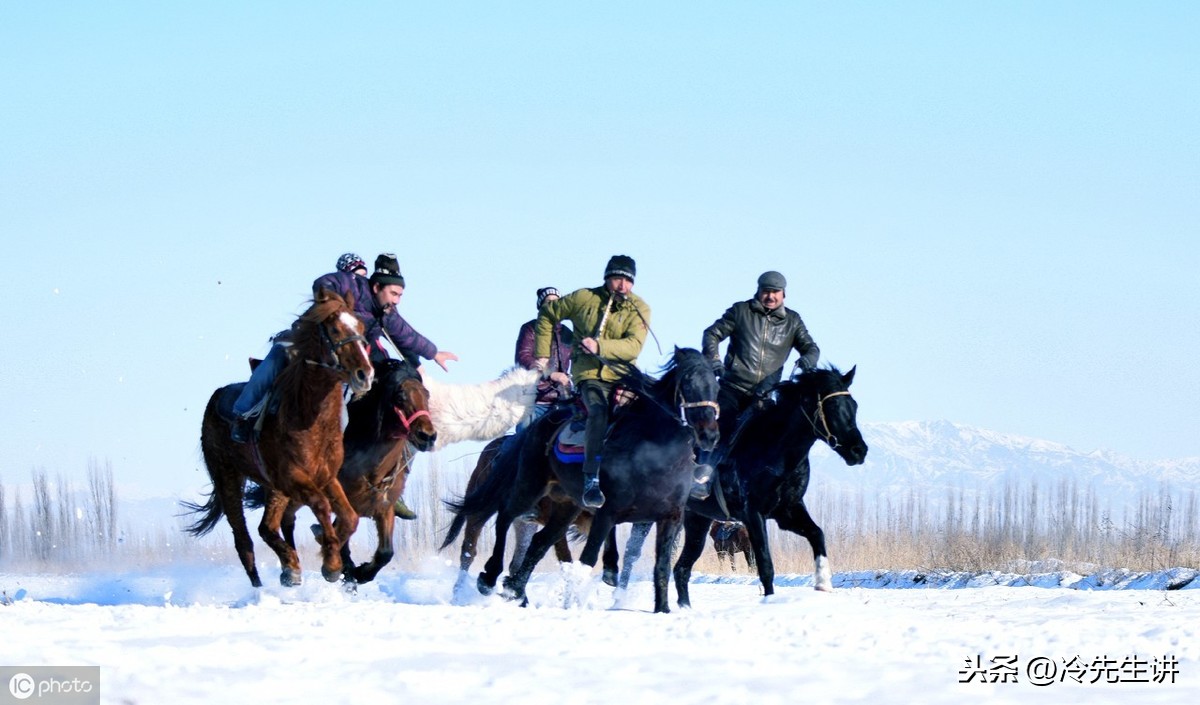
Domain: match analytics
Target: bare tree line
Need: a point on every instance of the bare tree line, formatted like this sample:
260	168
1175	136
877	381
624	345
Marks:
1014	528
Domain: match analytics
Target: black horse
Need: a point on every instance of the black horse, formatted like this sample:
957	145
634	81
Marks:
386	425
646	474
763	470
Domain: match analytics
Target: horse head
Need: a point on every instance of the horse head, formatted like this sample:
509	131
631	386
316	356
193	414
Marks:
827	406
405	404
330	335
689	385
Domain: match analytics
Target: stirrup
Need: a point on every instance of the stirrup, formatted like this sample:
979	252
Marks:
593	498
702	473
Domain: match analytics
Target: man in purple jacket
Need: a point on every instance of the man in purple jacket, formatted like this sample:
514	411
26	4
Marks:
375	302
558	378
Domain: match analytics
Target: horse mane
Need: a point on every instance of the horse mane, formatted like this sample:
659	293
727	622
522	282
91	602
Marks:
307	344
817	379
373	400
481	412
683	362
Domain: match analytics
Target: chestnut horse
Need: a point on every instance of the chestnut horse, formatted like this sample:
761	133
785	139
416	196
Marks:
385	426
298	453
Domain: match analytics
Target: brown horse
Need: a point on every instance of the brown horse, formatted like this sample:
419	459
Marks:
299	451
386	426
729	539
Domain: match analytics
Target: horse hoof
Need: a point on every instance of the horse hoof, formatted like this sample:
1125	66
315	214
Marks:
822	587
482	585
331	576
609	576
289	578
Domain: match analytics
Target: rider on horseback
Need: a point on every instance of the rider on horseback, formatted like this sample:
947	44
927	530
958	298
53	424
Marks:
556	385
610	324
762	332
375	302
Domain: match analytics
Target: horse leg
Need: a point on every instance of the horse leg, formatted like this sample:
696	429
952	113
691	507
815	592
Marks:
230	495
756	526
347	517
602	523
365	573
331	542
611	559
633	550
555	527
287	525
799	521
486	582
523	531
562	550
695	527
664	548
269	529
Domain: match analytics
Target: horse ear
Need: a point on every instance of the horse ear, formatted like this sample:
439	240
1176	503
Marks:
350	300
848	378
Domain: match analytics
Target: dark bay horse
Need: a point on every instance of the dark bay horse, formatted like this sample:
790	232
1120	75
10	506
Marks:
527	524
386	425
299	451
523	526
764	471
379	442
646	474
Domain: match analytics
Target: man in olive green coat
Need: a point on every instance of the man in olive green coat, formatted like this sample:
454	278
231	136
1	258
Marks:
610	324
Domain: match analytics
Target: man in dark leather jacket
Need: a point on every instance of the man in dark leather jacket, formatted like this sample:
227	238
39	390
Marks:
762	332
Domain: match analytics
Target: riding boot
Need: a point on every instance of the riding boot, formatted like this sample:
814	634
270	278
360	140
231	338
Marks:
241	429
702	474
593	498
402	511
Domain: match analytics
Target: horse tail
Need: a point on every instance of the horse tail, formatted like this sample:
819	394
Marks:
484	500
211	511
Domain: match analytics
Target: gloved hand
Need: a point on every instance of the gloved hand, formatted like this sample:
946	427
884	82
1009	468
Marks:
718	367
561	378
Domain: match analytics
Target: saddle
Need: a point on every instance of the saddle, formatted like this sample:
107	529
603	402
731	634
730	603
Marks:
568	443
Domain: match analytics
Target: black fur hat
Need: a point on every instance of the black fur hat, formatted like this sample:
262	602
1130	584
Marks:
387	270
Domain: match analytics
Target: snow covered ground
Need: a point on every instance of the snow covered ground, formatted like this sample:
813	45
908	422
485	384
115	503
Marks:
202	635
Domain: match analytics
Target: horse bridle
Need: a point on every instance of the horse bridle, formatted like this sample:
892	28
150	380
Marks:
684	405
827	436
333	346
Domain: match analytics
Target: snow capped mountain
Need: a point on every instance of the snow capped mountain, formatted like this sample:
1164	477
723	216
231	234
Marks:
937	456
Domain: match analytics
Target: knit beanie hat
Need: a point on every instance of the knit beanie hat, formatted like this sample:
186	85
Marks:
387	270
544	292
350	262
620	266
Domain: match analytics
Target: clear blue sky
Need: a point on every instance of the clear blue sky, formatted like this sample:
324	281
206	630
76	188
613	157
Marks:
992	210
